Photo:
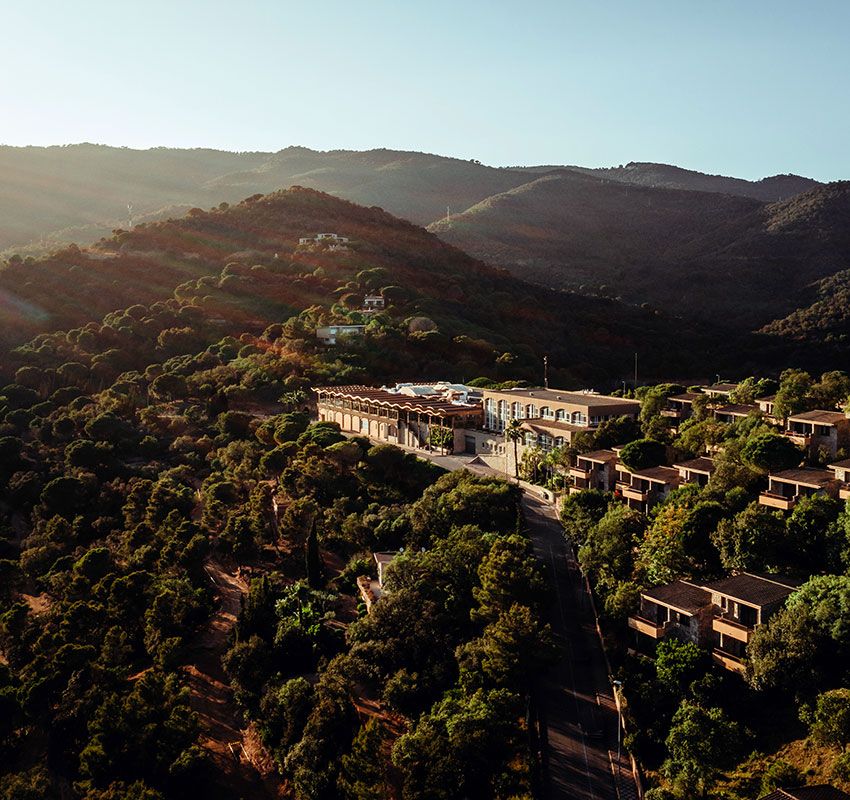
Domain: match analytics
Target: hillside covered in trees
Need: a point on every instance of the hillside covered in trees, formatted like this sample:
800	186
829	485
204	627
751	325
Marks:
716	257
238	269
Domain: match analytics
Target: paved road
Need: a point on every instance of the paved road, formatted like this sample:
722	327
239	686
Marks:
576	703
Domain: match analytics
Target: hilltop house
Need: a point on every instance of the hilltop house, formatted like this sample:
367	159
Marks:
373	302
326	238
372	590
330	333
720	615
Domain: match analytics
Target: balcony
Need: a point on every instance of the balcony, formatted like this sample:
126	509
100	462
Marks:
799	438
580	473
731	628
632	493
672	413
844	491
780	501
647	627
728	661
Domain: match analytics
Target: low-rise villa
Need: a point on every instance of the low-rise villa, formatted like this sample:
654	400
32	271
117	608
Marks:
787	487
720	615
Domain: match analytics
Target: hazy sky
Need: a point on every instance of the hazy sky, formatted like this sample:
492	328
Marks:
742	87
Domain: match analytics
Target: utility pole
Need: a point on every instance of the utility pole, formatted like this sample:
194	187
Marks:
448	214
546	372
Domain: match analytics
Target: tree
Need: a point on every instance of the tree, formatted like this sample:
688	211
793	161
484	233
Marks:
677	663
363	773
771	452
830	722
701	742
313	558
753	539
642	454
793	394
508	574
514	433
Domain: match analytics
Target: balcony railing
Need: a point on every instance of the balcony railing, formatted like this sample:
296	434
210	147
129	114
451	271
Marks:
844	491
579	472
633	493
654	630
672	413
728	661
799	438
731	628
775	500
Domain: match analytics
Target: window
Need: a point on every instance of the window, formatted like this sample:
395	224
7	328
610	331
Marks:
516	410
530	411
559	441
546	413
561	415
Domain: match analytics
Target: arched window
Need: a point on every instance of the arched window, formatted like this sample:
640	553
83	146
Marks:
530	439
561	415
545	441
530	411
559	441
516	410
546	413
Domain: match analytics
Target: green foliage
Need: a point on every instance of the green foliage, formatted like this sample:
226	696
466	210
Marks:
702	741
771	452
830	720
643	453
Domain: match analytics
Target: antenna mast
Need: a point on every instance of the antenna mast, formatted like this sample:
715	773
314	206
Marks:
546	372
448	214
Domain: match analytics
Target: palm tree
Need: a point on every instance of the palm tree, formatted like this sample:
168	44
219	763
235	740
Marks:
513	433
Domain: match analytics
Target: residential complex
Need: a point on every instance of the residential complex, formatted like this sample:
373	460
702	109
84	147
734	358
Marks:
720	615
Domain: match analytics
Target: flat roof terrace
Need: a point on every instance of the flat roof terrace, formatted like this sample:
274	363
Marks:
381	397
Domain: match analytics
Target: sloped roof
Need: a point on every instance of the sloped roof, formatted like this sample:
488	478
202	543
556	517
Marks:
701	464
754	589
819	416
599	455
680	595
822	792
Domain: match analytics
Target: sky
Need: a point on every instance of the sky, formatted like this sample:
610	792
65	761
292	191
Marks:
737	87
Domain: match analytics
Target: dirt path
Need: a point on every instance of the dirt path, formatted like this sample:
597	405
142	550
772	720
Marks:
240	766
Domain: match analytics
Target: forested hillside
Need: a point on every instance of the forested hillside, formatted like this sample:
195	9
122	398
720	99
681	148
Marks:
166	628
237	269
719	257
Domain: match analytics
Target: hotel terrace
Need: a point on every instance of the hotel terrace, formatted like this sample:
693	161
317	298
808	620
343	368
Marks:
389	416
721	615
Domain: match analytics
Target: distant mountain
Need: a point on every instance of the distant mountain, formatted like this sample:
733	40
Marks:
665	176
53	195
709	256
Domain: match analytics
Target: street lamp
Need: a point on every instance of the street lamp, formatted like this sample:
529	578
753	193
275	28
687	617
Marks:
617	686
